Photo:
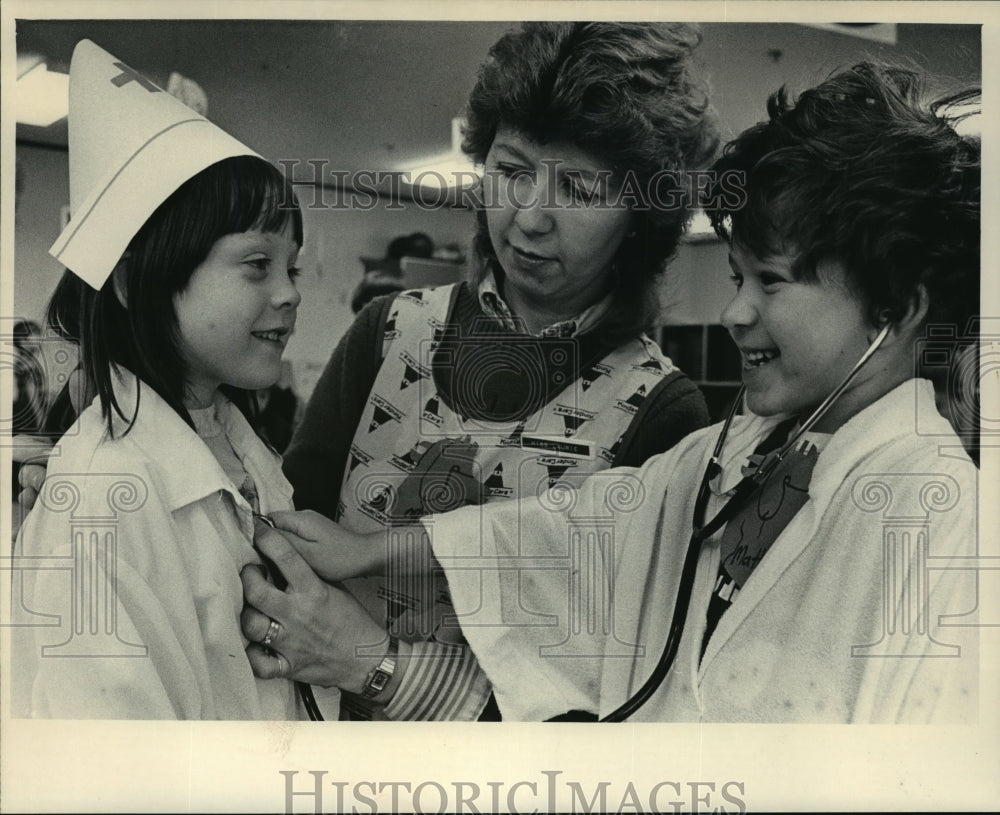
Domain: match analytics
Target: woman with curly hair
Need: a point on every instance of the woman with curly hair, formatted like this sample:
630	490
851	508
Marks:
535	367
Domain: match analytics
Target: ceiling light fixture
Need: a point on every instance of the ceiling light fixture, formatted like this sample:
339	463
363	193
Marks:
41	95
451	170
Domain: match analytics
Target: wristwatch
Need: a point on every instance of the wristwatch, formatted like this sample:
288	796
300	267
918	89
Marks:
379	677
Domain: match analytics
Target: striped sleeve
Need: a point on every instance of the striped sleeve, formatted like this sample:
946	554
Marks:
442	683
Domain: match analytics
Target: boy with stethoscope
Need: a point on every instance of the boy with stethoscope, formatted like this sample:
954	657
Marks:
823	579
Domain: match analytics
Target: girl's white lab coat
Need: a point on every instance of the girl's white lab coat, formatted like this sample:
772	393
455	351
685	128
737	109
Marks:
856	614
129	592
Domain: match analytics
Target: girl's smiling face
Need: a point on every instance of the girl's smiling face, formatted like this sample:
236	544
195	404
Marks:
800	338
237	312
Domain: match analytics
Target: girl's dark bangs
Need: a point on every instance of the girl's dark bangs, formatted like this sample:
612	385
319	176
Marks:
261	198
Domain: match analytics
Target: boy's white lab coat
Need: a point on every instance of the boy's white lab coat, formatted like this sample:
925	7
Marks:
847	618
130	598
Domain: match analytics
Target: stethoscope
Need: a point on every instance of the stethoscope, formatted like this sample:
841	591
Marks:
702	531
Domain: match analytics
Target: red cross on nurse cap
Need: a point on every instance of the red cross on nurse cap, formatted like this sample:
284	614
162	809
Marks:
131	144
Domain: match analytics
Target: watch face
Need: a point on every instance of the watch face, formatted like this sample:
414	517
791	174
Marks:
380	676
376	684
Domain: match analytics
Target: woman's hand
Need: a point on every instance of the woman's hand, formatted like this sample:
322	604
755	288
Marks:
320	634
333	552
32	452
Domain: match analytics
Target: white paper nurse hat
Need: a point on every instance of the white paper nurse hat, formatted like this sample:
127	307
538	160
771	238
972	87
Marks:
131	144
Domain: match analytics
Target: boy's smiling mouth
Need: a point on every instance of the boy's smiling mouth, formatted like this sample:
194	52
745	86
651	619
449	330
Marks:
756	358
277	335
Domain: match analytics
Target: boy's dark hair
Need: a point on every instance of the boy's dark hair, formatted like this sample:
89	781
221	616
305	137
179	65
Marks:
628	94
860	169
231	196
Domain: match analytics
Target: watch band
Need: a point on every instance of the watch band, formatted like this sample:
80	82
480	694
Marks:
379	677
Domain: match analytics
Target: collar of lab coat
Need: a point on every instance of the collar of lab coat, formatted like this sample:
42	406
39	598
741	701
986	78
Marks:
187	469
892	417
879	423
869	432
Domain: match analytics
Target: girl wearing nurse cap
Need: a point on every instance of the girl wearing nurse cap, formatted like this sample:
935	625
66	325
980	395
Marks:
180	292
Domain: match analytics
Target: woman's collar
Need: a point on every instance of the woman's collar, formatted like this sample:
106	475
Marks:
495	306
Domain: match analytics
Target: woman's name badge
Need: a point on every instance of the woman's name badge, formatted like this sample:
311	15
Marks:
555	445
